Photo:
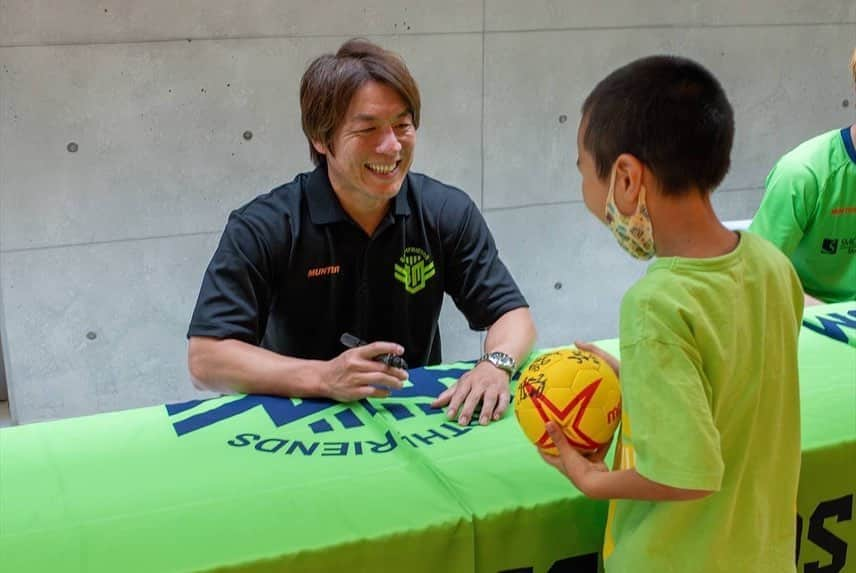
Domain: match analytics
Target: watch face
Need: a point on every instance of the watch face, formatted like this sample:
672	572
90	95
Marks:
501	360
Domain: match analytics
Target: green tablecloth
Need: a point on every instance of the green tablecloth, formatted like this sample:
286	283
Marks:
255	483
837	321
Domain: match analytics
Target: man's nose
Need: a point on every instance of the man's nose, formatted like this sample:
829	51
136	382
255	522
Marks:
388	144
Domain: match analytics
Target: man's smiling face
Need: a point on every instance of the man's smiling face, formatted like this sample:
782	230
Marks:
373	148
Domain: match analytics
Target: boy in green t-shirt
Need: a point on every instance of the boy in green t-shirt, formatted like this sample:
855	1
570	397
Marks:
706	470
809	212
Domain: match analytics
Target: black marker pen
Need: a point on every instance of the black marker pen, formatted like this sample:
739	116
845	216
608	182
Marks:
351	341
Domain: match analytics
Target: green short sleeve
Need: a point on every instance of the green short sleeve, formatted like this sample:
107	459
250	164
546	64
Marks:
671	424
787	207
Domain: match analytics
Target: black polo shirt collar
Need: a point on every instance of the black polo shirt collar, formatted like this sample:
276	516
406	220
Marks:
324	206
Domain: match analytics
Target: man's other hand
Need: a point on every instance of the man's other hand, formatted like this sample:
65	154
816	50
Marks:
485	384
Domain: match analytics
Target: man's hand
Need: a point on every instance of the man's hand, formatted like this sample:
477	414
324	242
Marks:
513	333
485	384
576	467
355	374
596	350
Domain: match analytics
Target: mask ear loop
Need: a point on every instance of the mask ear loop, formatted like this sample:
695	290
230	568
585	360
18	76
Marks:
610	194
642	203
642	208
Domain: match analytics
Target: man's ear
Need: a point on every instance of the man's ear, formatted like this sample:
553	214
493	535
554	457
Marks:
628	182
320	147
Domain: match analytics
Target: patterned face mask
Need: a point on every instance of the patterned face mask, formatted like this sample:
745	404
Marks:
634	233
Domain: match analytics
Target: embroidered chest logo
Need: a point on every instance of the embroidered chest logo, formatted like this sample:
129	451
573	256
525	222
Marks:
323	271
414	269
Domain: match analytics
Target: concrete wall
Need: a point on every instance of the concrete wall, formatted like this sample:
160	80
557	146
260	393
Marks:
122	150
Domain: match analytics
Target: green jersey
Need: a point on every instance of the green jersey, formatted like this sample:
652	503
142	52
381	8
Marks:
710	402
809	212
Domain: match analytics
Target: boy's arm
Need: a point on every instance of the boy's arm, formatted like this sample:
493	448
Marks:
594	479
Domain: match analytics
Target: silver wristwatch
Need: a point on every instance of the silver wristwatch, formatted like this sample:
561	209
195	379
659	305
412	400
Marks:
501	360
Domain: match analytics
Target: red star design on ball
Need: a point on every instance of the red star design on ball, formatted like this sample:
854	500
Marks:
576	408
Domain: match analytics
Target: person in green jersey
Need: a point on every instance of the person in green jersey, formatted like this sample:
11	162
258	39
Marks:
809	212
706	469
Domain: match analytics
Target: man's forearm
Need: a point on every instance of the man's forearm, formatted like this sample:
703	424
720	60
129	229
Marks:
513	333
230	365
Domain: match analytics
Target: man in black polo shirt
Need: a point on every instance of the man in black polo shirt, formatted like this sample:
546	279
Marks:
360	246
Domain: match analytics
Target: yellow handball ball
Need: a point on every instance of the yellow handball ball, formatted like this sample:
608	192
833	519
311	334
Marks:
576	389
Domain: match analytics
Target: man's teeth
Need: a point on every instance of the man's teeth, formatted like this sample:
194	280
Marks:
381	168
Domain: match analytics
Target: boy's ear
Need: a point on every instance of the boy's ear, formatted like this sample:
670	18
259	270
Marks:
628	182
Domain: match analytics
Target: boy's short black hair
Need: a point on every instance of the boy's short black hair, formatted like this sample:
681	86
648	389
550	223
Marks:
670	113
